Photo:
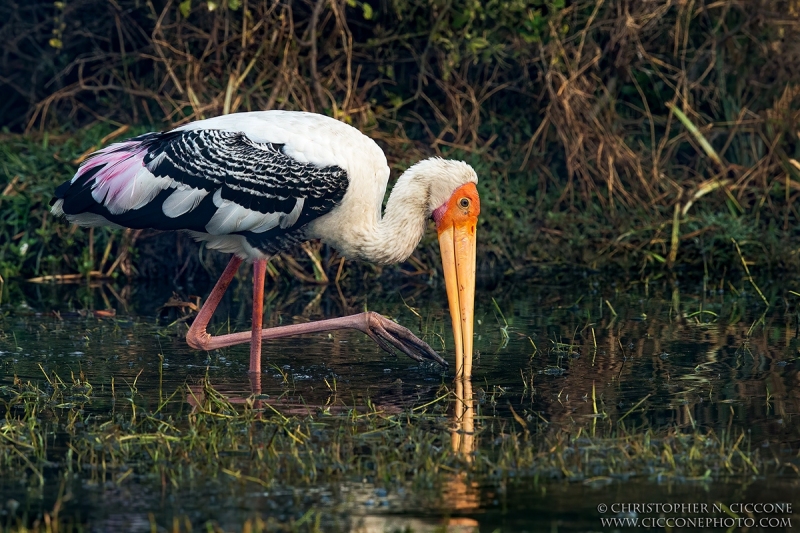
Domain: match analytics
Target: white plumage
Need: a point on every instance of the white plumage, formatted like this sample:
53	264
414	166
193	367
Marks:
124	181
183	200
254	184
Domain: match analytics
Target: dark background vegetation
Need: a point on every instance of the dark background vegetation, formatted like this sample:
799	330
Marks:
643	134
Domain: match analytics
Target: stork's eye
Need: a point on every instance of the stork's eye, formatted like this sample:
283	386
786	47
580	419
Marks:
464	203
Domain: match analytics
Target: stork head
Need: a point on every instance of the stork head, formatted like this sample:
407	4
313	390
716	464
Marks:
455	207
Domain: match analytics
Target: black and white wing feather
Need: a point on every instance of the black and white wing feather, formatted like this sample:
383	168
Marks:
213	183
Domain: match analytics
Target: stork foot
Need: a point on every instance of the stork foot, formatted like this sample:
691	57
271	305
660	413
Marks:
391	335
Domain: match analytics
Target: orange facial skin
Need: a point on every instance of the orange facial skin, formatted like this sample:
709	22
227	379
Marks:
456	224
454	213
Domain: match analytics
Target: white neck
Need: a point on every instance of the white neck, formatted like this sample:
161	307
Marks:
402	226
421	189
357	229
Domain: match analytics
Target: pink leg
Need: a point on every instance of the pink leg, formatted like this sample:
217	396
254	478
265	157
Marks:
387	334
259	270
197	336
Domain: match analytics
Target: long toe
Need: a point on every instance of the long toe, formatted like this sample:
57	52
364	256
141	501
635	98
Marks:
409	343
391	335
430	353
382	339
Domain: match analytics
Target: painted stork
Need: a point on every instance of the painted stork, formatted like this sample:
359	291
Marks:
253	184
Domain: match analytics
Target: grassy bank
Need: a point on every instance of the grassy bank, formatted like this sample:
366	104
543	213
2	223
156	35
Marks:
195	437
637	135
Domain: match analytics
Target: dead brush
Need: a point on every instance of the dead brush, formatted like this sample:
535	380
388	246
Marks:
203	63
606	133
645	100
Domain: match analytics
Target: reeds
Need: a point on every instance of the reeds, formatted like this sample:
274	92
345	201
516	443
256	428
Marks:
594	126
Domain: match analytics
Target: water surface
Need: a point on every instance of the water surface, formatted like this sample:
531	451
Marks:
561	358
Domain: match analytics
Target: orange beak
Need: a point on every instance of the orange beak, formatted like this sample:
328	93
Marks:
457	240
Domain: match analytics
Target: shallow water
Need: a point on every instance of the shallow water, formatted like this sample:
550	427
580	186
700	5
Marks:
558	356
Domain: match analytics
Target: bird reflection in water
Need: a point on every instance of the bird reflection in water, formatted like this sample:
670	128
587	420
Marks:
463	495
204	395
